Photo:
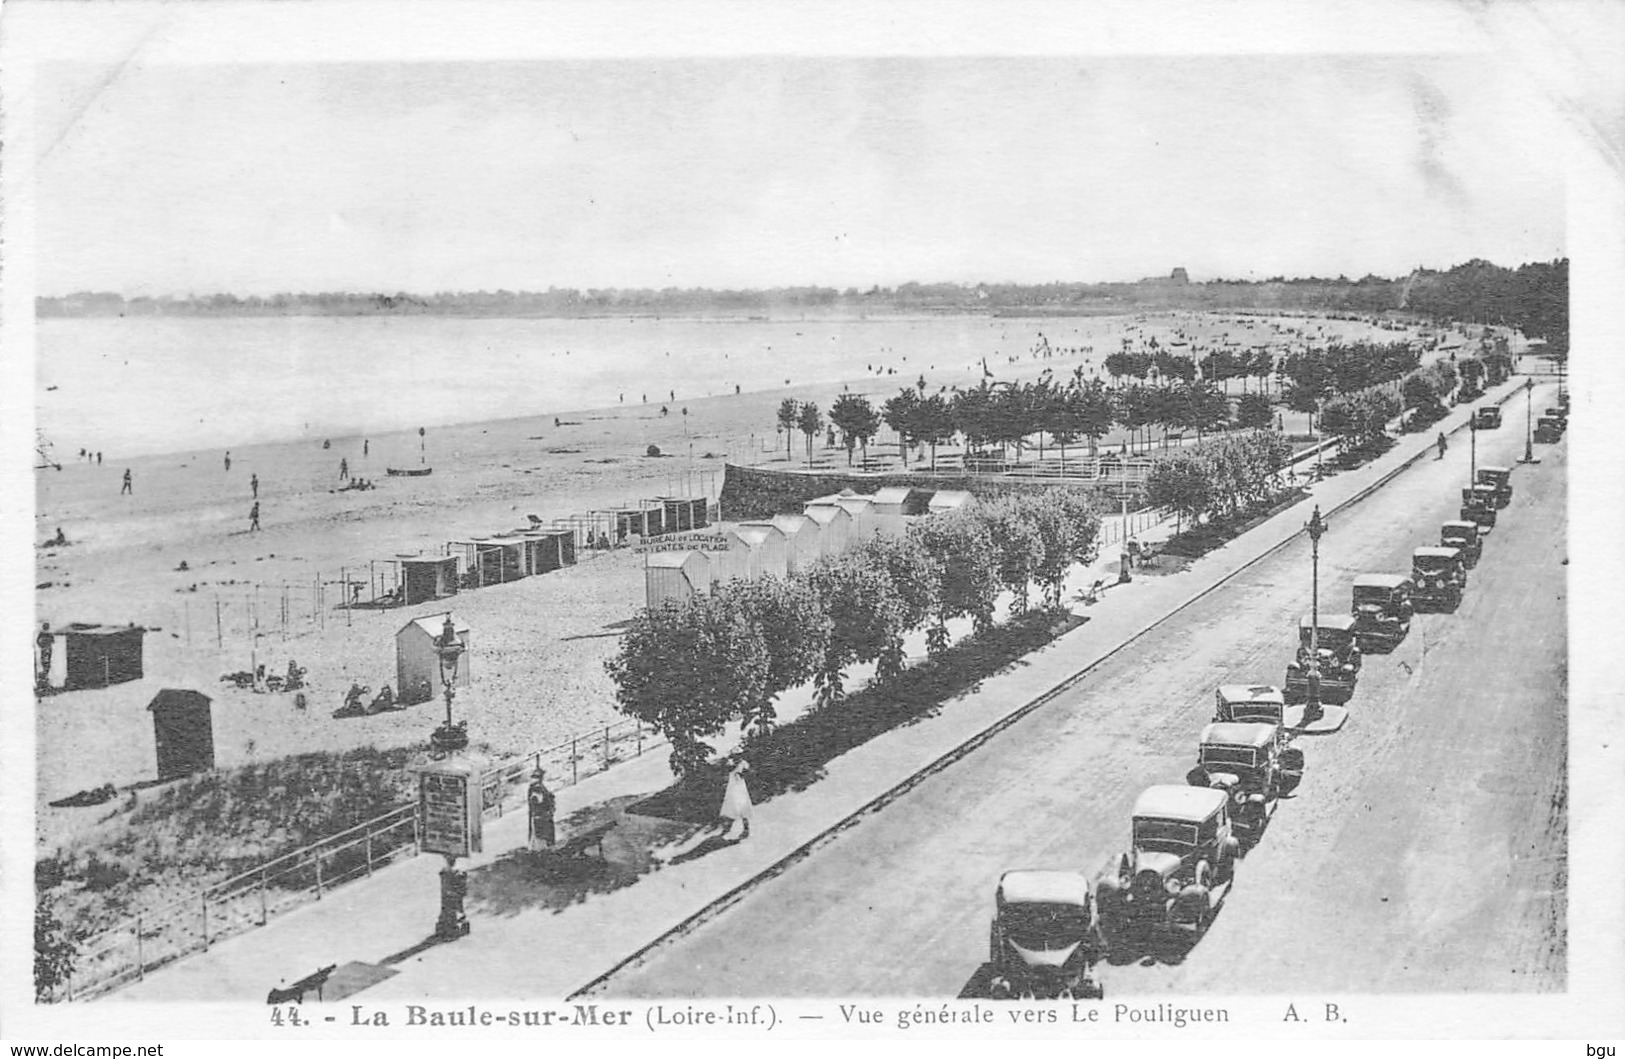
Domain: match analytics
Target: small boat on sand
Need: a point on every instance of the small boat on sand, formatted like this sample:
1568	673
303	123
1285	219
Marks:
411	472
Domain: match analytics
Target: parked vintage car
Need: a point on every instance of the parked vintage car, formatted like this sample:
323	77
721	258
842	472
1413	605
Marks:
1487	418
1501	479
1548	429
1382	610
1045	940
1339	659
1254	704
1180	865
1466	538
1252	764
1478	505
1440	575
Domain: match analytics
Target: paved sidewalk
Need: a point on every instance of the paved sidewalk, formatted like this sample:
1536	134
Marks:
545	928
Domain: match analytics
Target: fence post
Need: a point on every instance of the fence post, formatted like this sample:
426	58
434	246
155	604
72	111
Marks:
140	955
572	759
263	914
204	900
369	851
606	746
639	723
318	876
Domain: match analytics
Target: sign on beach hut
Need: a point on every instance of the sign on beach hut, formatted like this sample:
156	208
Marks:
417	663
427	577
948	500
756	549
800	541
677	576
183	730
834	527
97	656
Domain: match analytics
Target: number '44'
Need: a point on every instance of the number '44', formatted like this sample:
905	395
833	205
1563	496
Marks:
287	1016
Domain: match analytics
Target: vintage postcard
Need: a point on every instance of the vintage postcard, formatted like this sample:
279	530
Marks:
716	522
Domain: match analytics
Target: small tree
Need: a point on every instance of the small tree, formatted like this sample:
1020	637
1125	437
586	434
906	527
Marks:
1253	412
865	622
54	951
900	413
788	411
1181	483
809	421
857	421
793	627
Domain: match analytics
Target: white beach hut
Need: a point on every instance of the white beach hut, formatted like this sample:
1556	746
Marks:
417	663
890	508
750	554
865	522
774	550
678	576
800	539
834	527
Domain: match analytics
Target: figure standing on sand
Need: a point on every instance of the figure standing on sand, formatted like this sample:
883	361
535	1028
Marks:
228	459
127	488
254	484
736	803
366	446
541	803
344	468
98	458
254	517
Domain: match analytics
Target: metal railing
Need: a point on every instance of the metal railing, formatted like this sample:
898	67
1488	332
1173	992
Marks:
127	951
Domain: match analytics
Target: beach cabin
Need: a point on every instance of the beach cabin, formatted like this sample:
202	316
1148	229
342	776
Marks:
97	656
800	541
676	576
427	577
890	508
865	522
549	549
834	527
417	663
491	560
948	500
633	524
757	549
183	729
682	513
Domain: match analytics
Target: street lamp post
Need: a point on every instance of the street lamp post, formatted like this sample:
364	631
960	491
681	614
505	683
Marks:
1316	527
445	741
1528	422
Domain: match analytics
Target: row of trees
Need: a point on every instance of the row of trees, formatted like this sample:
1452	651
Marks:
691	669
1219	477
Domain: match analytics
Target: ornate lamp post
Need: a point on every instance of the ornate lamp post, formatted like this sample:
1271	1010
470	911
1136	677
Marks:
449	797
449	738
1528	422
1312	710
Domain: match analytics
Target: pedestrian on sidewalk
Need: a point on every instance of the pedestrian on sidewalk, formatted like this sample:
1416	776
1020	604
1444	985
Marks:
736	803
1133	552
1123	575
254	517
541	804
1440	456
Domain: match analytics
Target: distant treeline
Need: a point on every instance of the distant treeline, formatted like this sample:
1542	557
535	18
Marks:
1532	298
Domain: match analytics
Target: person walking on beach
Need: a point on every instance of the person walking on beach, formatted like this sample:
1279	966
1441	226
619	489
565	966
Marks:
366	446
736	803
254	517
344	468
254	484
98	458
46	642
127	488
541	804
228	459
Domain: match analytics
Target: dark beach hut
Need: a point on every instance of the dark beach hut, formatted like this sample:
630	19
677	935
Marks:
684	513
427	577
99	655
184	732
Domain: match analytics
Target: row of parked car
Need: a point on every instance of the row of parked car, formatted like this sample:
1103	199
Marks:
1052	928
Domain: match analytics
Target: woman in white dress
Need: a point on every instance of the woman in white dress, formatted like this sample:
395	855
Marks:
736	803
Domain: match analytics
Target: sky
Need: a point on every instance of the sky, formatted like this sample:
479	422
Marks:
259	177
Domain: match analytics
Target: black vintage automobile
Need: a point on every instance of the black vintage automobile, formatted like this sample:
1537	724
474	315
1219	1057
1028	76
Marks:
1382	610
1478	505
1487	418
1253	765
1501	479
1338	656
1180	868
1440	576
1045	939
1548	429
1465	538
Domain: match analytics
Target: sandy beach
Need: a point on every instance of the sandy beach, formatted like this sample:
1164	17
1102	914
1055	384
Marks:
539	642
